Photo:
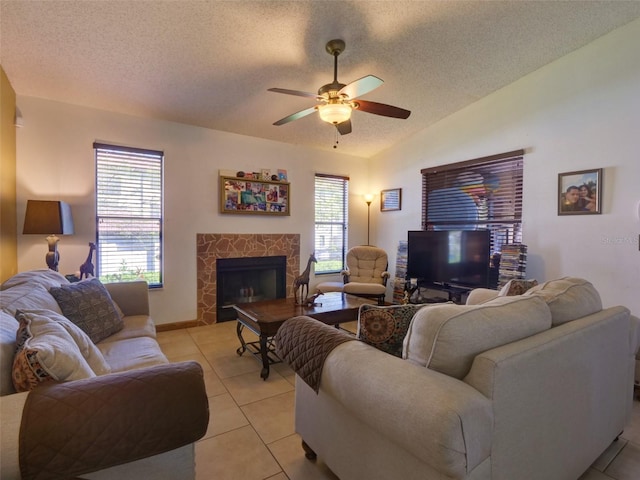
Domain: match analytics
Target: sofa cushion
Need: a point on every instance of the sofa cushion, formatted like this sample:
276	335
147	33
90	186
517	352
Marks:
447	338
134	326
364	288
27	296
8	328
568	298
89	305
132	353
45	352
385	327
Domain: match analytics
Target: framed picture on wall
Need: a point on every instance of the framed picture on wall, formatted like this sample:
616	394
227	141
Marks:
253	196
580	192
391	199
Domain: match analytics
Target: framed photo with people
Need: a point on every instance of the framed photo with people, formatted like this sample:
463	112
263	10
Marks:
254	196
580	192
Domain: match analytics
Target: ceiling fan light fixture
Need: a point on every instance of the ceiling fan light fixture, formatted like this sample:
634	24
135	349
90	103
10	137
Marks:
335	113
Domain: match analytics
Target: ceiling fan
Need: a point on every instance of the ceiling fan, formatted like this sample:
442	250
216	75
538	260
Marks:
337	100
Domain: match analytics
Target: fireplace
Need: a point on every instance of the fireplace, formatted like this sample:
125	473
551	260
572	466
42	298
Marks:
214	246
248	279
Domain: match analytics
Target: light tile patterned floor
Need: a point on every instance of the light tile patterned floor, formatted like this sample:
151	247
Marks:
251	433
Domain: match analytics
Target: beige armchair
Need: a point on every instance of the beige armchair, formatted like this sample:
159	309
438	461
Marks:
366	274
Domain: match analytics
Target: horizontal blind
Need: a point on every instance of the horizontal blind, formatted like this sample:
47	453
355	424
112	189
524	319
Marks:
129	213
482	194
331	220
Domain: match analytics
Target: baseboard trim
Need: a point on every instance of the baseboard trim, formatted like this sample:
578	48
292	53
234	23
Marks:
166	327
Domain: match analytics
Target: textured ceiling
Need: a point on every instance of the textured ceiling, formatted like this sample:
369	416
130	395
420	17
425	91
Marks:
210	63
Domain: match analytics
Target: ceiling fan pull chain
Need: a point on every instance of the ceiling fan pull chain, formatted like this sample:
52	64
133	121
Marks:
336	133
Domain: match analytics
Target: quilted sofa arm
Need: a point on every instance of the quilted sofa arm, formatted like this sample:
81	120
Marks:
131	297
127	416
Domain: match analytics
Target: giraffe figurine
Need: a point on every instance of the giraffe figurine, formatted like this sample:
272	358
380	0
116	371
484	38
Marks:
301	283
86	268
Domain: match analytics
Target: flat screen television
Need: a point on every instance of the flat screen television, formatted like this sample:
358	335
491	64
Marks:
449	257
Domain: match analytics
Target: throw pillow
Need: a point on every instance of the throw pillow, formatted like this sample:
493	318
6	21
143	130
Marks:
89	351
45	352
8	327
516	287
89	305
385	327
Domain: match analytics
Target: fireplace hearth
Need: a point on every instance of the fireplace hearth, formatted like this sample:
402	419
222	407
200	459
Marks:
247	280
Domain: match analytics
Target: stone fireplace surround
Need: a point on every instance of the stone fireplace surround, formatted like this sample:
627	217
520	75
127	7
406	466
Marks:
211	246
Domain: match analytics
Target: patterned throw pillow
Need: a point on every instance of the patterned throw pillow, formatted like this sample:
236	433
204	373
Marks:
45	352
89	305
385	327
516	287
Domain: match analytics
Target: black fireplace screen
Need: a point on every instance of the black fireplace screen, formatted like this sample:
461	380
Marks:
248	279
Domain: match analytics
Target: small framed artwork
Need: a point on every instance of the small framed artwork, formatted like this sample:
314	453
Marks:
580	192
242	195
391	199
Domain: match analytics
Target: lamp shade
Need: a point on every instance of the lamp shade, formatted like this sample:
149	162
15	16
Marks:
335	113
47	217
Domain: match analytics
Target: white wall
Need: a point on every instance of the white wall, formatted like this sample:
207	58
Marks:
55	161
580	112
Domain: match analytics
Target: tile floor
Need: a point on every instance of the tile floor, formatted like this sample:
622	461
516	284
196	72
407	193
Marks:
251	433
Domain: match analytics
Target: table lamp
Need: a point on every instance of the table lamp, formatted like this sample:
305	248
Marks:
50	218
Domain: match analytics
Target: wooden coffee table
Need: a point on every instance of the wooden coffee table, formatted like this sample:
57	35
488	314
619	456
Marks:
265	317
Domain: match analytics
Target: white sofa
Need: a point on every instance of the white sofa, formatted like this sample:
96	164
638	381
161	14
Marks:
133	416
530	387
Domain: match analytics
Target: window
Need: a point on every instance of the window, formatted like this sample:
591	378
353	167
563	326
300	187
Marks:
129	214
331	219
485	193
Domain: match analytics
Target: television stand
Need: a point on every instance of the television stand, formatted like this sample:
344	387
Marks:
454	294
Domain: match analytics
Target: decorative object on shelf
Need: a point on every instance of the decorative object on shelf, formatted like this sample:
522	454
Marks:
282	175
391	200
580	193
52	218
311	301
244	195
86	268
368	198
240	174
301	282
265	174
513	263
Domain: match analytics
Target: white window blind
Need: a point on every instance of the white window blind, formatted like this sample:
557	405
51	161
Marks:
484	193
331	222
129	200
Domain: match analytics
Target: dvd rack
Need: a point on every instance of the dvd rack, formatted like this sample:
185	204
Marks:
513	263
399	281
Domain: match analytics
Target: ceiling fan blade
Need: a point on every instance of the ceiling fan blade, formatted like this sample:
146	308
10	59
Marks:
382	109
361	86
295	116
295	92
344	127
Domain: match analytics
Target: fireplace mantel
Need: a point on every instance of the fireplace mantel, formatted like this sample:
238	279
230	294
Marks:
211	246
